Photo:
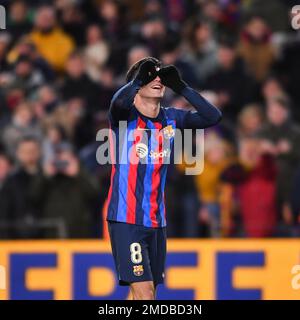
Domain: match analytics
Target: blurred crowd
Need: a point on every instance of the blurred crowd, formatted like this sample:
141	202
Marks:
62	60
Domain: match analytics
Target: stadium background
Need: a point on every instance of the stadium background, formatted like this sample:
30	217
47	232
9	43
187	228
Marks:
60	63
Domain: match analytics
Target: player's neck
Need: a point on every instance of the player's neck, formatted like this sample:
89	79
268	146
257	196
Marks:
148	107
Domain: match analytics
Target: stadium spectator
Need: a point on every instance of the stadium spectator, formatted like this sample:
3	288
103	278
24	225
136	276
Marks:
51	42
54	140
287	70
73	21
271	87
252	184
176	10
230	80
137	53
26	48
153	7
217	158
17	206
134	54
202	48
113	22
96	52
182	214
250	120
19	22
224	16
22	124
153	33
108	88
77	84
255	47
25	76
171	54
45	101
66	195
5	168
4	45
280	138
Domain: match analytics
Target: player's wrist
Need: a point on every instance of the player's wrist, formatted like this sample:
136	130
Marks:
170	77
179	87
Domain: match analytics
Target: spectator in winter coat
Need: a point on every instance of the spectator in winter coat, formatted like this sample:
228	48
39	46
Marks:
249	190
17	206
66	194
281	138
230	80
51	42
5	169
256	49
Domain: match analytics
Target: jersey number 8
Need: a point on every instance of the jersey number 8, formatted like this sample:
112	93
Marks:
136	252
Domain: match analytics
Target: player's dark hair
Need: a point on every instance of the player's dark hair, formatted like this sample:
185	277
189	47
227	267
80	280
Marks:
135	67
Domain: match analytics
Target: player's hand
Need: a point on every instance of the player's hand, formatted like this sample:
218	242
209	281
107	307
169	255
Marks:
147	72
171	78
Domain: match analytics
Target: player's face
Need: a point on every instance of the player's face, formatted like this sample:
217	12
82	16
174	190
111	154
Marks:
154	89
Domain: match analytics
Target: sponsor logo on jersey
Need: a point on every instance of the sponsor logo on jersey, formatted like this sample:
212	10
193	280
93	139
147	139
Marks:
159	155
141	150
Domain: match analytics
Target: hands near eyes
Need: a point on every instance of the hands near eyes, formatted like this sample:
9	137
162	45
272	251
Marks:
169	75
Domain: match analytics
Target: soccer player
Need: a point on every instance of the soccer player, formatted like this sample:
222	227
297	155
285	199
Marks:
136	209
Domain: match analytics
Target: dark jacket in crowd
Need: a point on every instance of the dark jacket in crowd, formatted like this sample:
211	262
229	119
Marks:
286	163
83	88
16	208
67	202
287	70
295	199
236	83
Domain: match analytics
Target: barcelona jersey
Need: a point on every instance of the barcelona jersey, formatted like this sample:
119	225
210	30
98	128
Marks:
140	152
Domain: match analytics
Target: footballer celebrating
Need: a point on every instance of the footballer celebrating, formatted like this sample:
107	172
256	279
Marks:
136	210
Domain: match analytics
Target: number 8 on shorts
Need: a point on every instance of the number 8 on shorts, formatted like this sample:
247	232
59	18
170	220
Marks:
136	252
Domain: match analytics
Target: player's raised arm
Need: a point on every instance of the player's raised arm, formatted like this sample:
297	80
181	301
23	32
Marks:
206	114
123	99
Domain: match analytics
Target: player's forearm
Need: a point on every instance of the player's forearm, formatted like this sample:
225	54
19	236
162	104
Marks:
123	99
206	114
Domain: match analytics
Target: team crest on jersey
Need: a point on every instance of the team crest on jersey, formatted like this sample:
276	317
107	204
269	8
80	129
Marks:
168	132
138	270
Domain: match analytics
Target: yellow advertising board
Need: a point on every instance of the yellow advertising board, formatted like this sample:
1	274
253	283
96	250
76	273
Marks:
195	269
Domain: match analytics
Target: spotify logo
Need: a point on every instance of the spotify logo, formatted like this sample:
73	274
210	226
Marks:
141	150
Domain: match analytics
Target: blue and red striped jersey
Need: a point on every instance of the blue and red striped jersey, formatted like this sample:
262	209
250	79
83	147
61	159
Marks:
140	154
